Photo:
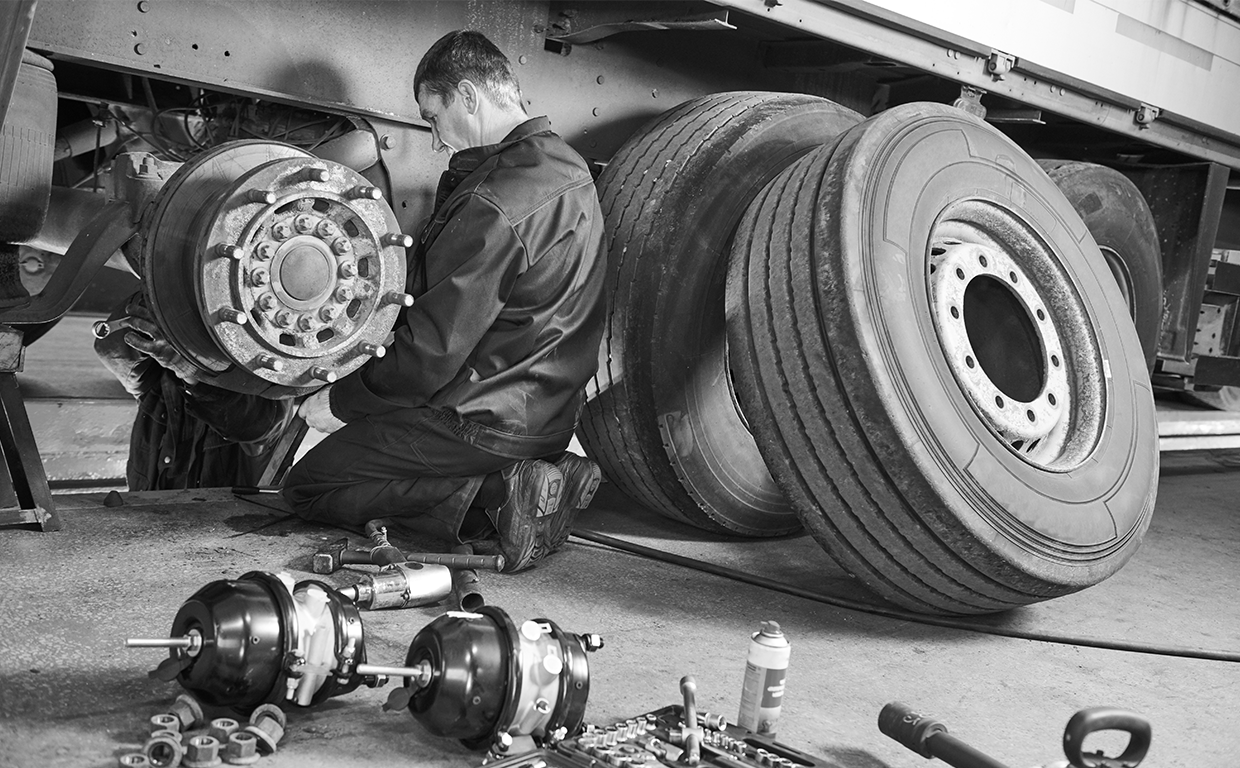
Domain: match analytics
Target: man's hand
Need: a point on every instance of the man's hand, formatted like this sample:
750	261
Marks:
317	412
147	337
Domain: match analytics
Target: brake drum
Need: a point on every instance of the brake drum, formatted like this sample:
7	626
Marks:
272	270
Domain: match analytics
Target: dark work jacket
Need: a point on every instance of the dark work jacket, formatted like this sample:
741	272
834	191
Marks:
190	436
508	314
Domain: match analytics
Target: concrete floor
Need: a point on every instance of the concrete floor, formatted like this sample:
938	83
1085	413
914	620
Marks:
71	695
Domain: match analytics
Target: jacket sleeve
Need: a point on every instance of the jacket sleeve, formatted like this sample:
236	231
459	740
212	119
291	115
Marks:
237	417
471	268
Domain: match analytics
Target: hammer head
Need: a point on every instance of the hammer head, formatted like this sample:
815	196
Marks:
330	557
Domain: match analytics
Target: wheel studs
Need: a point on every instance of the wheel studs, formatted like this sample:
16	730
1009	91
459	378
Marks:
317	174
229	251
365	193
270	362
323	374
230	315
398	239
374	350
397	297
264	196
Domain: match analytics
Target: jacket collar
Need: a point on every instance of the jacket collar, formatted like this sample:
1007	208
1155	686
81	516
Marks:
467	160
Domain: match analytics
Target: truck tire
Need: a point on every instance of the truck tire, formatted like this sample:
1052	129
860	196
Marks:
940	374
661	418
1120	220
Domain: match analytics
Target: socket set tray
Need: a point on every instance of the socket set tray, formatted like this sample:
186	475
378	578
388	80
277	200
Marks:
648	741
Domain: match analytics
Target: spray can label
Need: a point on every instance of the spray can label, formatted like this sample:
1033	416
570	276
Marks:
766	669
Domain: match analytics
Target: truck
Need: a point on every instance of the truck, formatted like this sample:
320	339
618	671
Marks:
904	274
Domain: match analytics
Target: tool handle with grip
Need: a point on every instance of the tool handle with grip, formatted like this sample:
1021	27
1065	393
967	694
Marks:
1094	719
929	738
470	561
465	590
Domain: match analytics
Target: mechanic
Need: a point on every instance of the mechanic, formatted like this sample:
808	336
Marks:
460	430
186	433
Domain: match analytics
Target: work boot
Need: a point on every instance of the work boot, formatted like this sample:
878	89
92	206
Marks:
581	480
531	504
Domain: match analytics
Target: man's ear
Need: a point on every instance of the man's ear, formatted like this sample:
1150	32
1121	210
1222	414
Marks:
468	92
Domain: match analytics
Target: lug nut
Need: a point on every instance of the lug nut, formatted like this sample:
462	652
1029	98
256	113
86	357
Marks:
222	728
398	297
163	751
202	752
323	374
264	196
281	230
348	269
327	314
367	193
327	228
241	749
398	239
228	251
165	722
341	246
284	318
230	315
305	322
374	350
303	223
258	277
270	362
593	641
316	174
267	302
265	250
344	294
267	725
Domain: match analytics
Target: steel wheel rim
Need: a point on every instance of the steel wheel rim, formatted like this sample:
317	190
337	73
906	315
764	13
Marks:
1015	334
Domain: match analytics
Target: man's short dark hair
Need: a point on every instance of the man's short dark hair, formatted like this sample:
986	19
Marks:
467	55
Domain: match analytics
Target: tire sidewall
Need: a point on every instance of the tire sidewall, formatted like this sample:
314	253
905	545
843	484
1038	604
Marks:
1081	521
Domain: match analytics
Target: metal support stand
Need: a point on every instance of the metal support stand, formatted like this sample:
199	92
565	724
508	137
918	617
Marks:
25	498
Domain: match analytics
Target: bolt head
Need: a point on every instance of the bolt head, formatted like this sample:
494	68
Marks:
344	294
327	228
284	318
258	277
341	246
281	230
348	269
303	223
305	322
327	314
265	250
267	302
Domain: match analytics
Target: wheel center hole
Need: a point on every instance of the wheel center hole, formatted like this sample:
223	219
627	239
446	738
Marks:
1004	338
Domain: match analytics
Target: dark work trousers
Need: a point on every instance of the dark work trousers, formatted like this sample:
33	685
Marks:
415	465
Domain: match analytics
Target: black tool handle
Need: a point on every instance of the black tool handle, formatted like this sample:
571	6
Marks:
929	738
1093	719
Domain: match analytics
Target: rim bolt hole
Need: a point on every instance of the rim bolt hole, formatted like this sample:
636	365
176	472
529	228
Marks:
968	360
998	401
1041	315
1012	276
959	273
1031	415
1055	360
1050	398
955	313
982	260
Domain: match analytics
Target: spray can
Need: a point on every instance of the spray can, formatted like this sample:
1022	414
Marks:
766	669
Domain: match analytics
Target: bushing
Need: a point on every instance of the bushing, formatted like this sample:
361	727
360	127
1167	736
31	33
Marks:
241	749
164	751
202	752
267	725
133	760
222	728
